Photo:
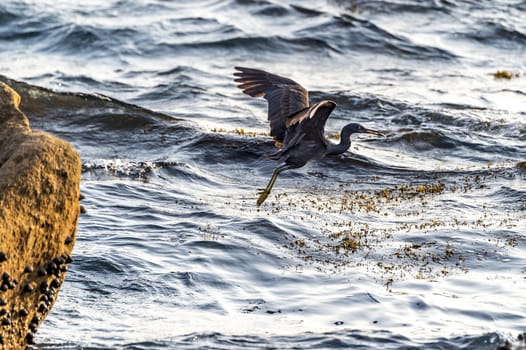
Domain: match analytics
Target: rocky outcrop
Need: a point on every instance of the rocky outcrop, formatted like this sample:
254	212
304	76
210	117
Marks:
39	210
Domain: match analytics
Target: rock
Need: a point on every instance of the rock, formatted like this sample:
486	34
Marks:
39	210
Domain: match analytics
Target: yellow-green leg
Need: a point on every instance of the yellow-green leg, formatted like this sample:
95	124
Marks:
263	194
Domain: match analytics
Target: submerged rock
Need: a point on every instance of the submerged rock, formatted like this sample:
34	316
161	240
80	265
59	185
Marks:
39	210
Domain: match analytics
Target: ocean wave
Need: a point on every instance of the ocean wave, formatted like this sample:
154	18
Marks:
353	338
337	34
30	31
353	34
179	88
412	6
39	102
6	17
453	119
89	41
462	145
132	169
498	34
254	44
273	10
425	140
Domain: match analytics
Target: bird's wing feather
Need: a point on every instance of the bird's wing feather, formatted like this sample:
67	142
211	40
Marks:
285	97
312	121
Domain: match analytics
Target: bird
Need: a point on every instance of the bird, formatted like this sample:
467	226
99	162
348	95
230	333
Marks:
295	123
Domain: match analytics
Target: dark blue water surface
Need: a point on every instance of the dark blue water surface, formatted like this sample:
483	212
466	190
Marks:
415	241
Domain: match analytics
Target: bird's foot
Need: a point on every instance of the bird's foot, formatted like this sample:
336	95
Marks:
263	194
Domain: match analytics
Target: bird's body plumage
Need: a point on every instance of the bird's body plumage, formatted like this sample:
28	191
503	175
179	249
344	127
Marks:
299	126
304	137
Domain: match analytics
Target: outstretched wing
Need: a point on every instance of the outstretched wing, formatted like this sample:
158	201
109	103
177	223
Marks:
285	97
312	121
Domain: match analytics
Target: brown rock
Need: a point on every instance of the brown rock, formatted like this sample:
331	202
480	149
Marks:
39	209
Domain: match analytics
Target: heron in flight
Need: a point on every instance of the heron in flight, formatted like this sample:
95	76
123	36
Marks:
294	122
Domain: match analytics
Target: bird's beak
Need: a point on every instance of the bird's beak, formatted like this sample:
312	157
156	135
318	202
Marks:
373	132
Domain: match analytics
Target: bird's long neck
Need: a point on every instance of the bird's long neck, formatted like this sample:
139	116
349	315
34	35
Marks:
345	143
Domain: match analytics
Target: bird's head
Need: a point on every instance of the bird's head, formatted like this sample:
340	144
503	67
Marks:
354	128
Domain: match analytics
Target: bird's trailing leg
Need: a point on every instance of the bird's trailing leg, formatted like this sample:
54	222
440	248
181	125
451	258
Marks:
263	194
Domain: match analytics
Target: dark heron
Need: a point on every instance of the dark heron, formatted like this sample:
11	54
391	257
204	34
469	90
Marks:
294	122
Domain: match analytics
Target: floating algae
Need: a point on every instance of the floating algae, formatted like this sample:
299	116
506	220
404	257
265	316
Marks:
399	225
240	131
504	74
